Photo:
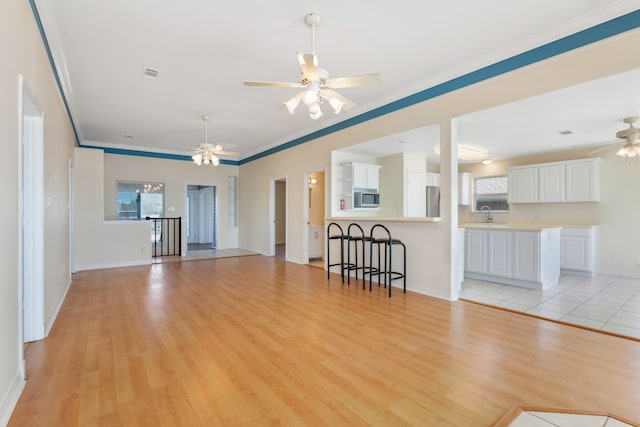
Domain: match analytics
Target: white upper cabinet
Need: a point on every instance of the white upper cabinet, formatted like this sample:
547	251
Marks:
551	183
583	180
432	179
523	185
568	181
365	175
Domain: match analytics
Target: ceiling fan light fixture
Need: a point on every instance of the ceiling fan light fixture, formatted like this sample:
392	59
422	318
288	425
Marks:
311	95
314	111
629	150
205	155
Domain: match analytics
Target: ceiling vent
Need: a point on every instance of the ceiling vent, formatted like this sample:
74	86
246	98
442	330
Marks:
150	73
565	132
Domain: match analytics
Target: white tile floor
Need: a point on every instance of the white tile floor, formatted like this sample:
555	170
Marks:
554	419
608	303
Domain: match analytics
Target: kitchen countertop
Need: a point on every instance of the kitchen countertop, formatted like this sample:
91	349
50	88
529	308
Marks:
509	227
383	219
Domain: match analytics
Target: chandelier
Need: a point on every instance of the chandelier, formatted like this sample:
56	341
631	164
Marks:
206	152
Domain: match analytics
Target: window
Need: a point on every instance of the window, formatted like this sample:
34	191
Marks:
491	191
140	200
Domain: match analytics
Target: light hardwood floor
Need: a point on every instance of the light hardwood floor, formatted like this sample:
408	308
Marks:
258	341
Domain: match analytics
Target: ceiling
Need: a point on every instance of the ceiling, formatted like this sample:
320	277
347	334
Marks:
204	50
592	111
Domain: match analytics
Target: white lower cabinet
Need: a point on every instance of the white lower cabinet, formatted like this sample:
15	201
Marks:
500	254
315	241
526	256
529	259
475	260
579	251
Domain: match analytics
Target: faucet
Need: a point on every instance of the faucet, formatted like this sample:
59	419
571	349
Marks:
489	217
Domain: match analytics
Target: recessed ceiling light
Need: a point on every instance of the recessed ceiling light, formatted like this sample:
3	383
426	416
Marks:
129	136
487	161
565	132
150	73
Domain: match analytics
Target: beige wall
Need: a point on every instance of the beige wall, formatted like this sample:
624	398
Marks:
22	52
175	175
438	254
101	244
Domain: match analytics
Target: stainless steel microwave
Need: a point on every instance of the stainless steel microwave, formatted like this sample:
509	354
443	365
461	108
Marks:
362	199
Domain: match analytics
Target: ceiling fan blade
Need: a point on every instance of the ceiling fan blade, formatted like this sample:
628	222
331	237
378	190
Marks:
361	80
331	95
309	65
273	84
608	146
227	153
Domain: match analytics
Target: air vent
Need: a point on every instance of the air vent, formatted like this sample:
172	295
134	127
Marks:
150	73
565	132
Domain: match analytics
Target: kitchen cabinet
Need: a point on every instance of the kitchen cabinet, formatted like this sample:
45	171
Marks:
523	256
365	176
523	185
316	246
431	179
583	180
579	251
475	260
499	255
568	181
526	256
356	177
551	183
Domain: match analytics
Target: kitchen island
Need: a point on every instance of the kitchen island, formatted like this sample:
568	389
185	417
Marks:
526	255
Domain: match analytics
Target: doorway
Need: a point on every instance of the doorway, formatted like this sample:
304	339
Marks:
315	214
278	233
201	217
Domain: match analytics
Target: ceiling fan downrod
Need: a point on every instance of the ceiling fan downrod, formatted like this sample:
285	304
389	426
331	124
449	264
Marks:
313	20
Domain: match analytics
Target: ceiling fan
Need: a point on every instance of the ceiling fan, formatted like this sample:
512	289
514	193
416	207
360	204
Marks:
316	82
207	153
630	137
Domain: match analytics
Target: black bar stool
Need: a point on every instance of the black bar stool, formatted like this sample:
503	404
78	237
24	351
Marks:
355	234
338	234
385	266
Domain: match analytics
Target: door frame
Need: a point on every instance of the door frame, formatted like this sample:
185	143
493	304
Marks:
30	290
215	213
272	214
306	211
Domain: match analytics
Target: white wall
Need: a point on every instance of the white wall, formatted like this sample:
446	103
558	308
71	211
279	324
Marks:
22	52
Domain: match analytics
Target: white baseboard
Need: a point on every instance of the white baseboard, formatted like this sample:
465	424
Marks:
11	399
112	265
56	309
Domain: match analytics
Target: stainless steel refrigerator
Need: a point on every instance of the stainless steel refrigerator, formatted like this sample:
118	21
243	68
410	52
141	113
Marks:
433	201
